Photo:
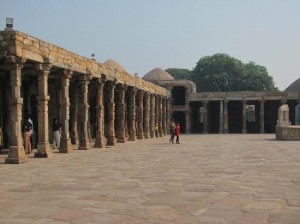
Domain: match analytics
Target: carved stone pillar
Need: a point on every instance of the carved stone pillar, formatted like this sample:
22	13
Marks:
225	116
16	153
262	116
100	138
160	128
244	130
120	114
74	112
65	144
221	114
147	115
111	112
140	113
131	114
167	115
82	116
164	111
43	146
205	120
152	116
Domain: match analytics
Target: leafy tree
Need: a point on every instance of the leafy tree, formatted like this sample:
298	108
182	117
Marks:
179	73
223	73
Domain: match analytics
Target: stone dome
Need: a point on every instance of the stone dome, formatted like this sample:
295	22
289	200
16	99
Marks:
158	74
113	64
295	86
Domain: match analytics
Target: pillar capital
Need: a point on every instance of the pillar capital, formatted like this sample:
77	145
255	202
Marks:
45	67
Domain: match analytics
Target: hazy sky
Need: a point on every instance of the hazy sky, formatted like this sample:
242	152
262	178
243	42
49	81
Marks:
145	34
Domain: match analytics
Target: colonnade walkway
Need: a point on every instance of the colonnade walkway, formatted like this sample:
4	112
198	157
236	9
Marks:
206	179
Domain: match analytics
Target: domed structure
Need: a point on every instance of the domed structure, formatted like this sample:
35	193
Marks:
295	86
113	64
158	74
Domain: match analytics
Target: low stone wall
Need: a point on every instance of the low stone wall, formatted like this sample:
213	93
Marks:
288	133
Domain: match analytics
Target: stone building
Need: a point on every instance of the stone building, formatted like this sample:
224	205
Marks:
93	101
225	112
101	104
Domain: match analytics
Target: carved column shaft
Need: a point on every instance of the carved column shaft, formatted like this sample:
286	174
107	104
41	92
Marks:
100	139
131	115
152	116
164	111
147	115
262	116
221	114
160	116
43	147
225	116
244	130
16	153
205	121
111	113
66	146
140	113
84	143
120	111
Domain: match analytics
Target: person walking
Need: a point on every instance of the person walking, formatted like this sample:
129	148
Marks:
177	132
172	131
31	132
56	133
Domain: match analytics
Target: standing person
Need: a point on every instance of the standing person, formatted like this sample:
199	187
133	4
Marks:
56	133
26	127
177	132
31	131
172	131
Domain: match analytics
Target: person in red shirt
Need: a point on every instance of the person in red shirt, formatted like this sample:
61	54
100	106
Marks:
177	132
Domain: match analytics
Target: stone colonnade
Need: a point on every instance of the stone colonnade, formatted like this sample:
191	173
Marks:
223	115
131	113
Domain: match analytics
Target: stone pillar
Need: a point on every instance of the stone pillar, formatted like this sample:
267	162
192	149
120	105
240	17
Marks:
244	130
120	113
43	146
205	120
160	128
100	139
140	113
225	117
16	153
74	112
152	116
262	116
131	114
82	116
221	121
164	116
156	121
147	115
65	144
111	112
168	115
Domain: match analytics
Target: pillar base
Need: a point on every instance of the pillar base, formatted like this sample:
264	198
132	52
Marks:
84	144
43	150
100	142
132	138
244	131
121	140
111	140
65	146
16	155
152	135
140	137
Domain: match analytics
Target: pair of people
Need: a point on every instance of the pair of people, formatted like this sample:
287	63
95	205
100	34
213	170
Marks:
175	131
26	131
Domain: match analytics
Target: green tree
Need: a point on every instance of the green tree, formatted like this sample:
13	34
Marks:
179	73
223	73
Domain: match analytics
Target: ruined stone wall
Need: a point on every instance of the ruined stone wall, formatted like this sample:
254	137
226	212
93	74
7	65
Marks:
15	43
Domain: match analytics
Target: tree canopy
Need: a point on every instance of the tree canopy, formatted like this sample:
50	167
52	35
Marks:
223	73
179	73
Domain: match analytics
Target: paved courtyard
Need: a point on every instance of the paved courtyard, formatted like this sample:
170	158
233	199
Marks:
206	179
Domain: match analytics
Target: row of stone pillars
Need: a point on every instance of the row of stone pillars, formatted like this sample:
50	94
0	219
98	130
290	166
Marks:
145	111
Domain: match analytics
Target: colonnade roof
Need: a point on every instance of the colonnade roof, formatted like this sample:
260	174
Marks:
245	95
34	50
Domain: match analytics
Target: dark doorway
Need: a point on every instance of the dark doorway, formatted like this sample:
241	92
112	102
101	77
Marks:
271	114
253	123
196	121
178	95
213	116
292	113
235	117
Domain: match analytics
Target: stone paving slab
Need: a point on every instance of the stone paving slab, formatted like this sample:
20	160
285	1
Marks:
207	179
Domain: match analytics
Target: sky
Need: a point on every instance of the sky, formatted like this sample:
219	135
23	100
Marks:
145	34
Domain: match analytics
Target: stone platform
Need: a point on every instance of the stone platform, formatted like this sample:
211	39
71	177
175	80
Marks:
206	179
